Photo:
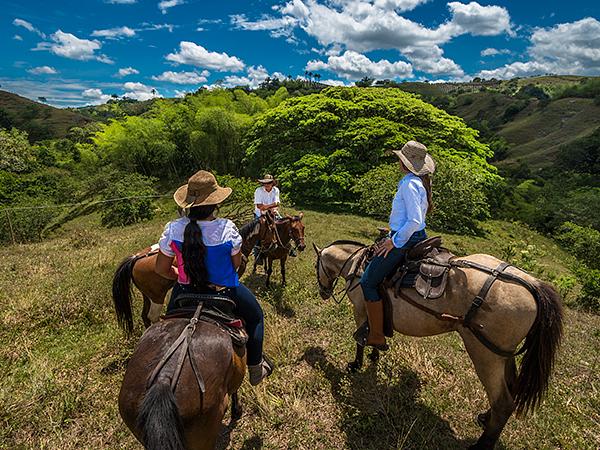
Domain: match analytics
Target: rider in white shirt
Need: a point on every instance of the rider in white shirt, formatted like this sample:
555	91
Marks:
266	197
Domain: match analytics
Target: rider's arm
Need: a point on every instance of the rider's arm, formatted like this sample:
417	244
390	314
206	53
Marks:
164	266
236	260
236	245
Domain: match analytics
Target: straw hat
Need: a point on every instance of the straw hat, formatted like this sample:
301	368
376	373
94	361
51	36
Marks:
201	189
268	178
416	159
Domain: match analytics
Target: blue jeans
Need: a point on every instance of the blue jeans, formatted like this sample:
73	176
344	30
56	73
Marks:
247	307
380	267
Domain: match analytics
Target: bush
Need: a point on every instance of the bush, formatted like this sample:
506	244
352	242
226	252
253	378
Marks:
459	195
582	242
589	296
26	225
131	210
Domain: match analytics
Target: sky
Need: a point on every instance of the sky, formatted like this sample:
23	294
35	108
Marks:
80	52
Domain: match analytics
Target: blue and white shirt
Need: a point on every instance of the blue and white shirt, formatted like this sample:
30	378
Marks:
222	240
408	209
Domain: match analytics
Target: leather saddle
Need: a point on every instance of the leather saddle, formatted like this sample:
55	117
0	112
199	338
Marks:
217	309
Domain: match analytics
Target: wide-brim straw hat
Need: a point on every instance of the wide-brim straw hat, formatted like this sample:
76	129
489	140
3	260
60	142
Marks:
268	178
416	159
201	189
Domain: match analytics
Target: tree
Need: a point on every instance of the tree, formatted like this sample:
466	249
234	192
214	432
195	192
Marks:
365	82
15	151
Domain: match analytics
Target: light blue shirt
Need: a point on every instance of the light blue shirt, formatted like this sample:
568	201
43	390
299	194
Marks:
408	209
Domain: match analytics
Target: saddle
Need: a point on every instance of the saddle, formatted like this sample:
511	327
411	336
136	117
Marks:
217	309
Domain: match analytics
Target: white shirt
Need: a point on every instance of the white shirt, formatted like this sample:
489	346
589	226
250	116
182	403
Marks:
262	197
408	209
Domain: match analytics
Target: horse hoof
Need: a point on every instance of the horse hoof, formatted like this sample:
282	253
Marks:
236	414
482	419
353	367
374	355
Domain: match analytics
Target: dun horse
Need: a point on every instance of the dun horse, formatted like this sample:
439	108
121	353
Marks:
173	402
139	268
288	230
510	314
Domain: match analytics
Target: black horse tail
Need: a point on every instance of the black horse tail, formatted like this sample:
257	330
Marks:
542	344
121	292
159	420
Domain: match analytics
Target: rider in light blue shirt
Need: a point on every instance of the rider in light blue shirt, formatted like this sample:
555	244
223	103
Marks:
407	227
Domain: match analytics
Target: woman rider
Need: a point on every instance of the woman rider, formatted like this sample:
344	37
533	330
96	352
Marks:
207	254
407	227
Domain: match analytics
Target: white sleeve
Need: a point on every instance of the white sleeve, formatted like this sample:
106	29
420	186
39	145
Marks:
276	189
164	243
415	220
235	238
257	197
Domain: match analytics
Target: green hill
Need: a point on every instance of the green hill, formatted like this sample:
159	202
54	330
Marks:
39	120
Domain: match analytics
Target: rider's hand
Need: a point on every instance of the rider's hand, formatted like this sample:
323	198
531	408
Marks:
384	247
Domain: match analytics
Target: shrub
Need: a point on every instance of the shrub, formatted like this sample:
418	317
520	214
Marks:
459	195
26	225
582	242
589	296
129	210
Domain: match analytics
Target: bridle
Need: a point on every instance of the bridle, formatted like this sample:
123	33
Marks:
330	292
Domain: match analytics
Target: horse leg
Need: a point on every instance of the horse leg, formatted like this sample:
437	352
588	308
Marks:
282	261
269	270
355	366
236	407
145	310
498	375
374	355
360	315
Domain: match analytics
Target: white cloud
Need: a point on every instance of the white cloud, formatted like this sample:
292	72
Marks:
70	46
479	20
16	37
164	5
196	55
183	77
125	71
363	26
331	82
495	51
140	91
255	75
114	33
572	48
352	66
28	26
181	94
43	70
95	96
155	27
121	2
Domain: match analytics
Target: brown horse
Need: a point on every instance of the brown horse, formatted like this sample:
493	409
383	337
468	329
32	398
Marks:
139	268
187	413
512	312
287	230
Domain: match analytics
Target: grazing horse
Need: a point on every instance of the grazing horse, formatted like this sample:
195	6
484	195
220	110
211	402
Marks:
287	230
512	312
177	403
139	268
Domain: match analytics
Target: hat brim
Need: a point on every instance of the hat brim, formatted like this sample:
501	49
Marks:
214	198
427	168
266	181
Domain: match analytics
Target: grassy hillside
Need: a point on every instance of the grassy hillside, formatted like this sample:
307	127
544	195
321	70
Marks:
39	120
62	357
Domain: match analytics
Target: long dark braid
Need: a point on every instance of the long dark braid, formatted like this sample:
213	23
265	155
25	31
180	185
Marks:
193	249
426	180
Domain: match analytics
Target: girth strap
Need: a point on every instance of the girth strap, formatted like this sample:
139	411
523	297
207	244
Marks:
183	341
438	315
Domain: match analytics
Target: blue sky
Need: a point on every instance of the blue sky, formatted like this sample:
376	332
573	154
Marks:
80	52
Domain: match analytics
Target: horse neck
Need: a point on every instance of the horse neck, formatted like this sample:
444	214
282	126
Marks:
251	239
337	258
284	231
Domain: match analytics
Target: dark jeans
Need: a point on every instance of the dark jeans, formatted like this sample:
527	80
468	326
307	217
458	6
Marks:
380	267
247	308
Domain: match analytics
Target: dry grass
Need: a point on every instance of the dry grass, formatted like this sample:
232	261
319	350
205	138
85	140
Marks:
62	357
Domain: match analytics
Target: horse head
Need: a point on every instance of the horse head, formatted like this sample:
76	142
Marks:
297	231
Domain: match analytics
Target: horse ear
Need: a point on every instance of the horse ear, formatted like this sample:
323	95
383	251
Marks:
301	215
317	249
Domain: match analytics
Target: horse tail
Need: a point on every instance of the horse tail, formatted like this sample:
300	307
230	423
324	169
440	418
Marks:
159	420
121	293
542	344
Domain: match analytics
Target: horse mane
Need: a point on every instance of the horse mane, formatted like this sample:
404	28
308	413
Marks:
248	228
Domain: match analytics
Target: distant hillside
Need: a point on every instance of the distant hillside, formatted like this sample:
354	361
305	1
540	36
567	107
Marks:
528	113
39	120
